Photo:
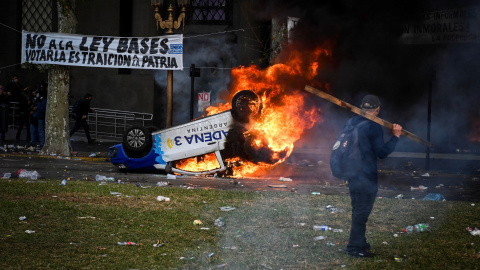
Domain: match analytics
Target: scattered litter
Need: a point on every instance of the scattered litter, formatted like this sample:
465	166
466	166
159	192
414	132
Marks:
385	243
333	210
90	217
395	235
399	196
162	184
277	186
171	176
421	188
284	179
315	193
337	230
421	227
434	197
318	238
426	175
64	182
138	185
204	228
321	228
304	163
127	244
22	173
211	254
99	177
93	155
29	231
397	258
474	231
22	218
330	244
163	199
197	222
158	244
115	193
6	175
222	265
439	186
409	229
227	208
220	222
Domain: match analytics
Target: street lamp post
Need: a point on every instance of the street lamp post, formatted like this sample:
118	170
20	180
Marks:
169	24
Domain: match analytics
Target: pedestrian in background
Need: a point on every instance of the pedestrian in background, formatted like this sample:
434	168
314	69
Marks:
15	88
4	107
38	111
363	187
24	114
80	110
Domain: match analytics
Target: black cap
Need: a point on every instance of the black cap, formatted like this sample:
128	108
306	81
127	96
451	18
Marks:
370	102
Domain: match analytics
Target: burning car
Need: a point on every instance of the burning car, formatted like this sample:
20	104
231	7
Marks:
144	148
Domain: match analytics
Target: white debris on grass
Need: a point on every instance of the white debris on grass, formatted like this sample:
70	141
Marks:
285	179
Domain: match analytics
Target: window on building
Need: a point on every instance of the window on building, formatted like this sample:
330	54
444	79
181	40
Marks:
37	15
209	12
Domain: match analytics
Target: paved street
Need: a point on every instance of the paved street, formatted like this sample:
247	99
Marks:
308	170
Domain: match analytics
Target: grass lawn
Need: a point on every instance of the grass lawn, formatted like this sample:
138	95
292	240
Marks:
79	225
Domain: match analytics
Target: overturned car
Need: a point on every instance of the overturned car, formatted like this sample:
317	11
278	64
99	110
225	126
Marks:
144	148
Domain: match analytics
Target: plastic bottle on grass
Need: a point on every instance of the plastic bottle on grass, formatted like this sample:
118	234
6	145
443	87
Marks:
220	222
322	228
126	243
409	229
422	227
99	177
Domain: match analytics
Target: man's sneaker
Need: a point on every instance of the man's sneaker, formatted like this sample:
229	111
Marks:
91	141
361	254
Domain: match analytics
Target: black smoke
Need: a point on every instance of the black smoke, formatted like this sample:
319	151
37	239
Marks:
368	57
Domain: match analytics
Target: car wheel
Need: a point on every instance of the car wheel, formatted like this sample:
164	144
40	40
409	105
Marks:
246	105
137	141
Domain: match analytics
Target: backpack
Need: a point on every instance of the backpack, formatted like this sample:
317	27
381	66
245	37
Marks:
345	160
73	114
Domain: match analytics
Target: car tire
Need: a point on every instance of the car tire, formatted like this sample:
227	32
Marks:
137	141
245	105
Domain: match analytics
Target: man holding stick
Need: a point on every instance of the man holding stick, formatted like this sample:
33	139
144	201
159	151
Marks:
363	186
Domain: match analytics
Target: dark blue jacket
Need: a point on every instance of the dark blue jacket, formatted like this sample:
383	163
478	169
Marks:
41	109
372	146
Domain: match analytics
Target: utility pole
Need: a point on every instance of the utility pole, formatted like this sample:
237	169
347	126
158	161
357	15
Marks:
169	24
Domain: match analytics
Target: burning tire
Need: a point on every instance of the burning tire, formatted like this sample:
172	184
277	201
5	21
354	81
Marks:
137	141
246	105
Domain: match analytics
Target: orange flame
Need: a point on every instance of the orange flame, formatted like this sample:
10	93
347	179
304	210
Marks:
285	114
199	164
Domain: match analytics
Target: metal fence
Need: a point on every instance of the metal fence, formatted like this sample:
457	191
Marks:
104	123
113	123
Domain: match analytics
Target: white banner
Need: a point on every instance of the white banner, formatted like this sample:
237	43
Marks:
203	101
161	52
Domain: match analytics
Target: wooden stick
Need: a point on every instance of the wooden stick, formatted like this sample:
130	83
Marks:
359	111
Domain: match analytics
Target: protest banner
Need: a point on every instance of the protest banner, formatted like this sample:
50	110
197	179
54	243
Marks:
160	52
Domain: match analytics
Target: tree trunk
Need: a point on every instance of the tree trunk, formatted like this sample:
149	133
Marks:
57	126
